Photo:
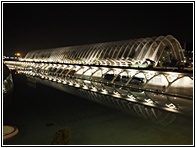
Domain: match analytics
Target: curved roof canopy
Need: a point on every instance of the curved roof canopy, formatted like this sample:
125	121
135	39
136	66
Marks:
157	49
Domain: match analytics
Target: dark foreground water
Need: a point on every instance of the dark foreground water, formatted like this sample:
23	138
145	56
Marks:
40	112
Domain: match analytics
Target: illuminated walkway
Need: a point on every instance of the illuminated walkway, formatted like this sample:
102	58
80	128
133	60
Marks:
143	73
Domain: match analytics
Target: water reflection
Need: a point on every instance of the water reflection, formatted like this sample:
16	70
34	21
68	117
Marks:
160	108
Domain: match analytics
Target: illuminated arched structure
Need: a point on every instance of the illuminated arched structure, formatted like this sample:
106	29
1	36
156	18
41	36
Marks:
157	49
138	75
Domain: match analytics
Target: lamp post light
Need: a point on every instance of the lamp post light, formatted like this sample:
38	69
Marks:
17	54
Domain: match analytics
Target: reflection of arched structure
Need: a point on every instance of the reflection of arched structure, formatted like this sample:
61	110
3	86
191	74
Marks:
160	49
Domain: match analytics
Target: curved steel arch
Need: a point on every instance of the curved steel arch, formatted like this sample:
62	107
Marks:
177	46
138	50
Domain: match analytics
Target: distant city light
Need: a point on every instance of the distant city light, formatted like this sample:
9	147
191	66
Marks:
17	54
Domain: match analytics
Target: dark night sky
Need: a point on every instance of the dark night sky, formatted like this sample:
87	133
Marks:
33	26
